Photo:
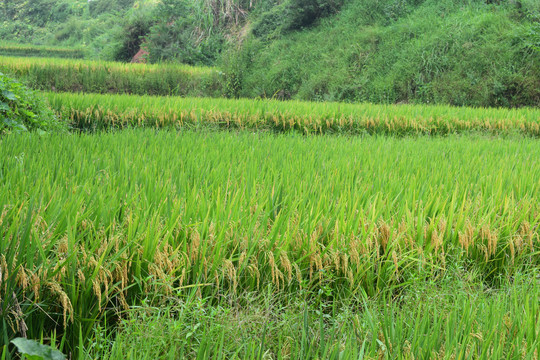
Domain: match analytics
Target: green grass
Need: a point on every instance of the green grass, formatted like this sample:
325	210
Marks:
459	52
120	111
27	50
460	320
97	223
103	77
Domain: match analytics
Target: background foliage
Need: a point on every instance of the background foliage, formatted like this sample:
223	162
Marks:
22	110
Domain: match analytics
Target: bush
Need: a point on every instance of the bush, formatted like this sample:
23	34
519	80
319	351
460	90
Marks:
131	36
23	110
294	15
177	35
303	13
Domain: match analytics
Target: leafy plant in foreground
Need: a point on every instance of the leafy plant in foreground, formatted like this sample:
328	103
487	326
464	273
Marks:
33	350
22	109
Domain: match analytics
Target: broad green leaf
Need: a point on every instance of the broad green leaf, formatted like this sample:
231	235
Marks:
35	350
9	95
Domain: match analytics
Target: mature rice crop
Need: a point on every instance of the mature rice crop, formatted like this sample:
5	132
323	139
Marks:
8	49
112	77
91	224
119	111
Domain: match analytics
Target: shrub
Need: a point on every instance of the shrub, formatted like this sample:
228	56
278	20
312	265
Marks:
303	13
132	35
293	15
23	110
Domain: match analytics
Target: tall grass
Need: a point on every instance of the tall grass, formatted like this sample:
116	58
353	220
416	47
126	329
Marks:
92	224
112	77
12	49
119	111
450	323
466	53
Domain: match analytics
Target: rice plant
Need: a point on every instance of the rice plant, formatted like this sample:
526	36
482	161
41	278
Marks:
112	77
120	111
27	50
93	224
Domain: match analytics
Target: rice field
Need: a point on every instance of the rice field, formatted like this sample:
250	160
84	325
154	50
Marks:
73	75
97	224
169	227
94	111
28	50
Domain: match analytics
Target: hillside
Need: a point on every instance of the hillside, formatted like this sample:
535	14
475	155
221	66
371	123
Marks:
466	52
453	52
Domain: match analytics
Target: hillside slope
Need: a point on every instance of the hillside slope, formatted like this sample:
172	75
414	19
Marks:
388	51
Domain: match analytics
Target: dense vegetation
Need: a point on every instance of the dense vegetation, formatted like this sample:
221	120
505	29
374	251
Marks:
22	109
109	220
427	324
452	52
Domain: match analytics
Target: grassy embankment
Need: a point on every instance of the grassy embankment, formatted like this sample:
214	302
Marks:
459	52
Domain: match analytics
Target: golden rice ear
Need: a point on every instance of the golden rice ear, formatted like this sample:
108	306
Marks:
254	271
526	232
273	267
383	234
22	278
344	263
441	226
97	291
436	241
286	265
298	274
195	245
230	271
122	300
493	240
63	246
4	271
242	259
64	300
35	284
395	260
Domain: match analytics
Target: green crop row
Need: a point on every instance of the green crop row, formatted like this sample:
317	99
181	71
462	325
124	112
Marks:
92	224
72	75
7	49
120	111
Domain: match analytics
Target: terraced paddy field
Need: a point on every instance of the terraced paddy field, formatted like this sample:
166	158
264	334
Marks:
94	111
28	50
196	243
75	75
